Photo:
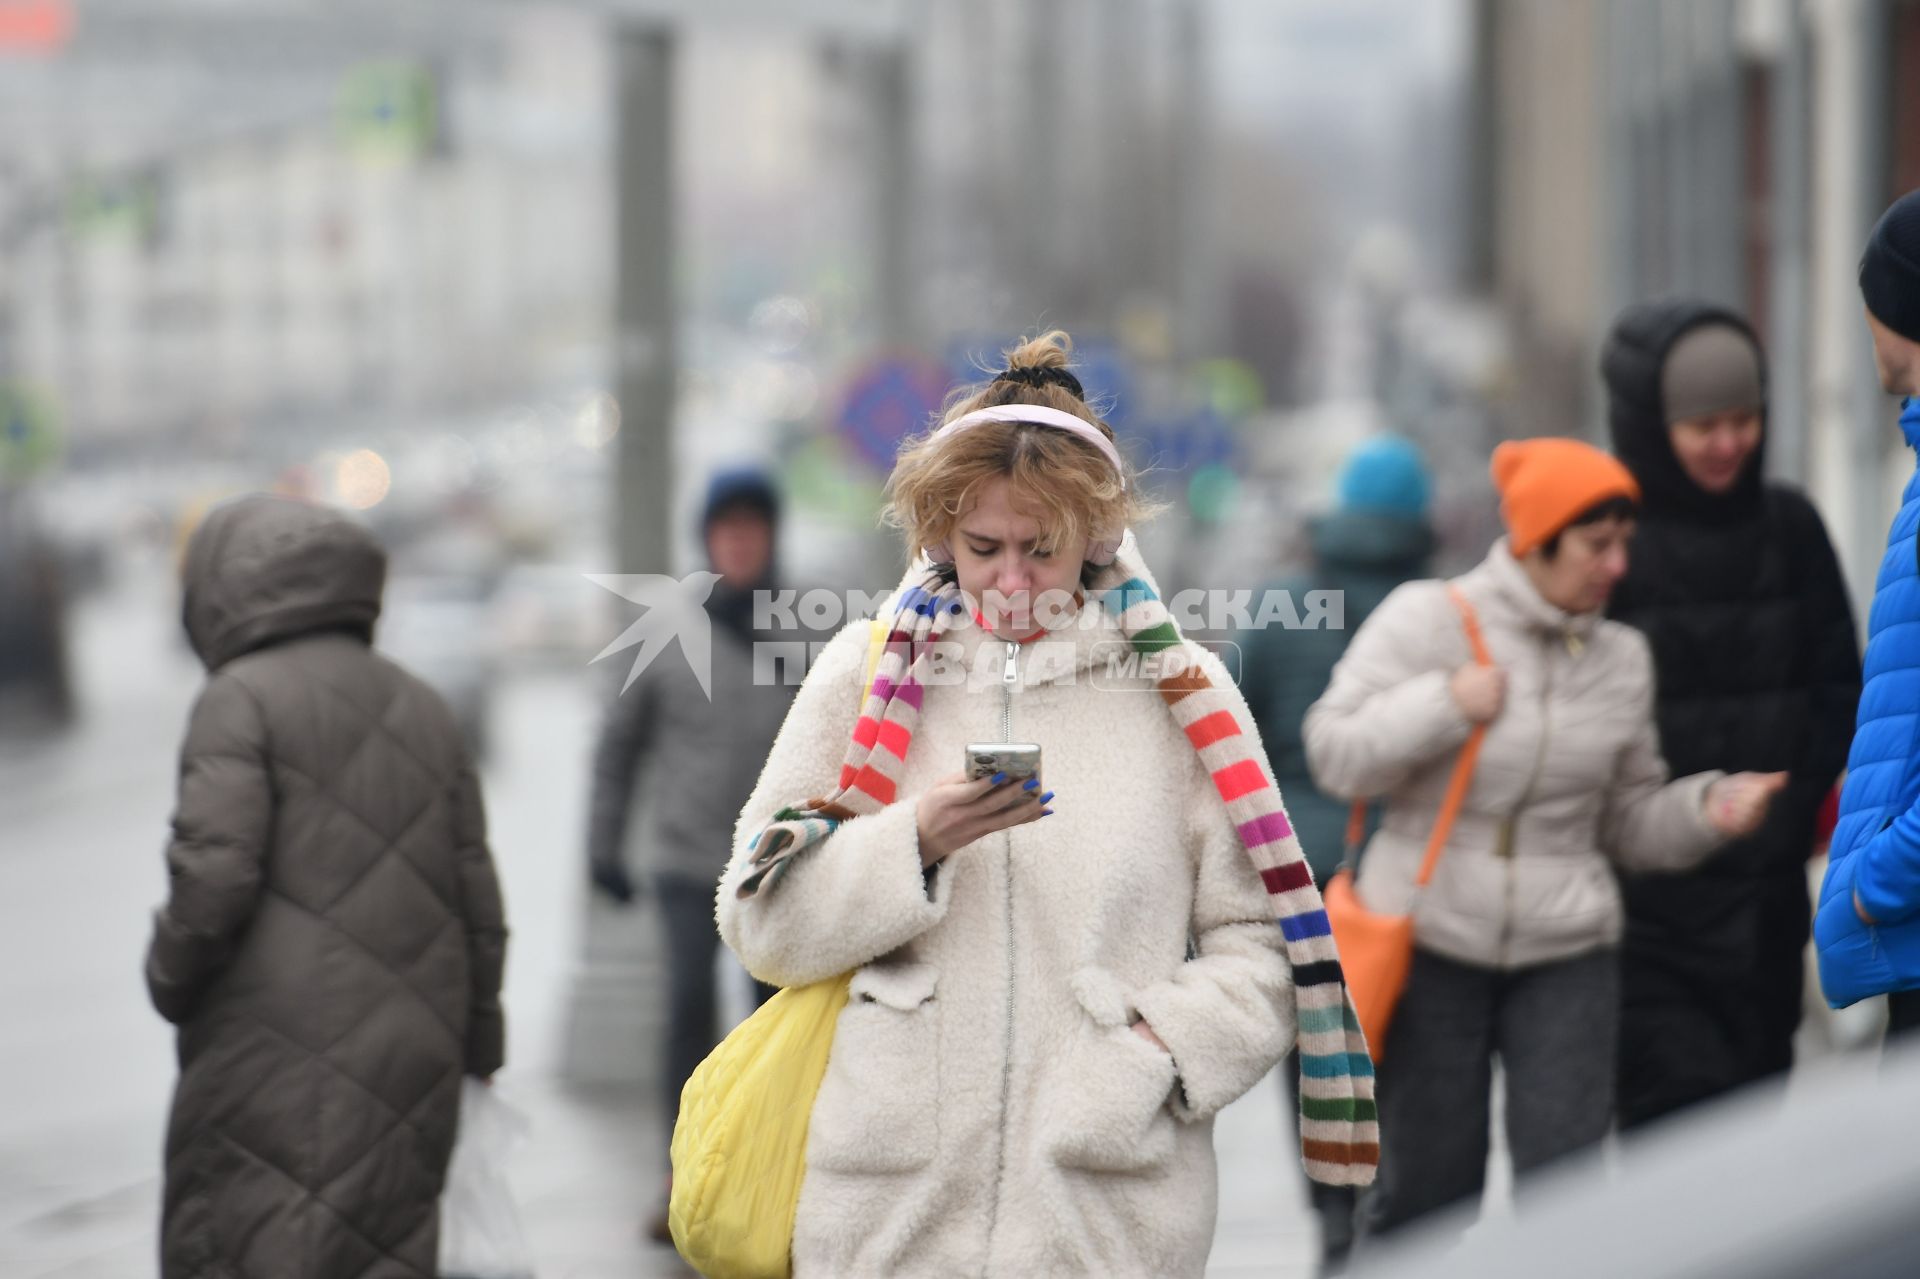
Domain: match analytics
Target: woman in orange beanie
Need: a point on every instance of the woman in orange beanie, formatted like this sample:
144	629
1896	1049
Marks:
1517	933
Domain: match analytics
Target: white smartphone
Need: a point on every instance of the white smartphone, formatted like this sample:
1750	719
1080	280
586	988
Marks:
1018	760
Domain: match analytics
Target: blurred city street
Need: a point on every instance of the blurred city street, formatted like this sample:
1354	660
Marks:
80	866
544	296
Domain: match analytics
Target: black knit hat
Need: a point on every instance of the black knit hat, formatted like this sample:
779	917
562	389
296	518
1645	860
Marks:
740	488
1890	268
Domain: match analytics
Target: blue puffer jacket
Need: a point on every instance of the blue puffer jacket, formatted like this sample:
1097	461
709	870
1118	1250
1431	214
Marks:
1876	846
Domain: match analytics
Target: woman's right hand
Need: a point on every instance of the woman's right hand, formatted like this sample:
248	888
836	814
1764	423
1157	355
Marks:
1737	803
954	812
1480	692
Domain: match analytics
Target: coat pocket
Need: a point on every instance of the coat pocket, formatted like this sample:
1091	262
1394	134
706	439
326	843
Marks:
877	1108
1853	966
1108	1106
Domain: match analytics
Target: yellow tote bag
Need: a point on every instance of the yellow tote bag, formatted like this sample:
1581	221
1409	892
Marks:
740	1145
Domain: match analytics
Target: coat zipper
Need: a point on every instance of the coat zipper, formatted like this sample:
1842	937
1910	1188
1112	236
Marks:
1009	677
1504	849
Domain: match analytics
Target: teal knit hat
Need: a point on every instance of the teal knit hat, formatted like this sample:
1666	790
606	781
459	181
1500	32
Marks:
1386	476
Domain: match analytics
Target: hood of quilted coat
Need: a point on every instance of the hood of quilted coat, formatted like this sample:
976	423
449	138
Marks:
262	569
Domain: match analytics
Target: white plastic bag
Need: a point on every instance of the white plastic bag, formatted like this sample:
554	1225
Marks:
480	1232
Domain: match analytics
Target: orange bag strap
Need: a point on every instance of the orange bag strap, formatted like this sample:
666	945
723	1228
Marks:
1470	622
1469	754
1462	769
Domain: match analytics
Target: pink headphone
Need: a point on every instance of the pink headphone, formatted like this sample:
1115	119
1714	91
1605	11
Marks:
1102	550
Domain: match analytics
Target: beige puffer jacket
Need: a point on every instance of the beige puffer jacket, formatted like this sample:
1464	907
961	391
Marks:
1570	775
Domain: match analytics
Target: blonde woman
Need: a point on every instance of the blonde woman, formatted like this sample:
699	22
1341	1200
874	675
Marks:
1056	986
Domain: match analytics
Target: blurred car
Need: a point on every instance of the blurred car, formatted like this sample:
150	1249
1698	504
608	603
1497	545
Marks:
551	612
1817	1181
438	627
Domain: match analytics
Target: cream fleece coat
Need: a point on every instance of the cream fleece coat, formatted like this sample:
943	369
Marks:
986	1110
1570	777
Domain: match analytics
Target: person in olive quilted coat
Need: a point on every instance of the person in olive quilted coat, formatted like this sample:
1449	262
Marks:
332	944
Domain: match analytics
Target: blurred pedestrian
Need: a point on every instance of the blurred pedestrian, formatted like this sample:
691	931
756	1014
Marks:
1867	926
332	943
1376	537
1045	1017
1735	585
682	759
1516	936
35	683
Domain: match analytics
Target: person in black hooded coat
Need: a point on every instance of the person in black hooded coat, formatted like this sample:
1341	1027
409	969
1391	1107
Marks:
1735	584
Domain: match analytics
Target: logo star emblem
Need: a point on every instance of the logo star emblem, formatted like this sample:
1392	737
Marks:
675	609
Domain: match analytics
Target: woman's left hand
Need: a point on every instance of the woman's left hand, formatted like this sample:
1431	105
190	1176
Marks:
1145	1032
1736	805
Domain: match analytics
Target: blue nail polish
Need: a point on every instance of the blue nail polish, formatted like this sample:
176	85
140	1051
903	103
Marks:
998	778
1046	812
1044	798
1030	783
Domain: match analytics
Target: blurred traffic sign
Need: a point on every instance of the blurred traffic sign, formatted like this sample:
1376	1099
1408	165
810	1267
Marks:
29	431
820	476
1100	364
1229	387
1180	445
888	400
388	108
124	207
1213	491
1107	375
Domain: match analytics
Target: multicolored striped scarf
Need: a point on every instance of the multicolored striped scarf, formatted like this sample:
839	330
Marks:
1339	1128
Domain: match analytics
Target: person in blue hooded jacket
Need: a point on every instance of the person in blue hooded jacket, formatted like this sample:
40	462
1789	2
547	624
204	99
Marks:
1867	927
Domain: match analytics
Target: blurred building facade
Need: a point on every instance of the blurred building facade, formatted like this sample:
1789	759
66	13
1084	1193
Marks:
1738	150
207	266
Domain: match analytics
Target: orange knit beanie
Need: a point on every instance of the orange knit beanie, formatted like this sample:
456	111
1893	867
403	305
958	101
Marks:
1545	483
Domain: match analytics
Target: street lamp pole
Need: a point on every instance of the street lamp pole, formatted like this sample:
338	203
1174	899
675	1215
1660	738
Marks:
615	1011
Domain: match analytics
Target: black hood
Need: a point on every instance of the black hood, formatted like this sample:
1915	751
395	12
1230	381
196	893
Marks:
1635	355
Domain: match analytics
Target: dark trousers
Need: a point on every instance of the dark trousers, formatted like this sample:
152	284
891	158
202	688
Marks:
693	1006
1334	1206
1554	1028
1903	1012
1696	1023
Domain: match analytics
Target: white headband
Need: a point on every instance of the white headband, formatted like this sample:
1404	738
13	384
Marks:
1039	415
